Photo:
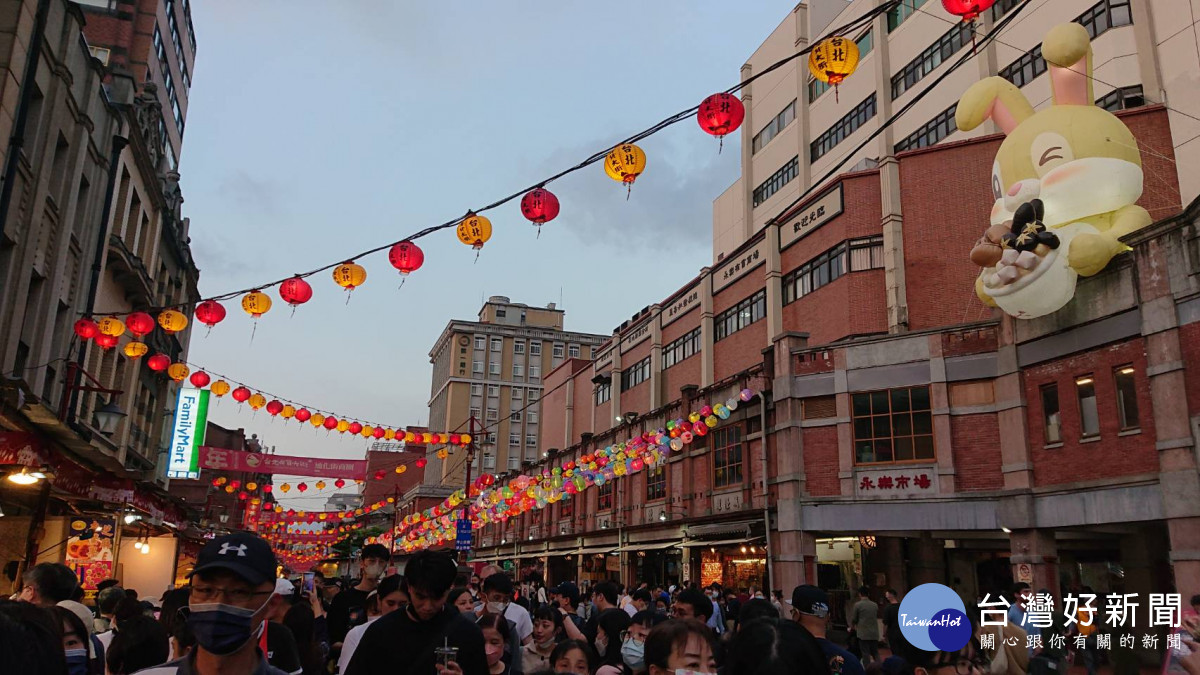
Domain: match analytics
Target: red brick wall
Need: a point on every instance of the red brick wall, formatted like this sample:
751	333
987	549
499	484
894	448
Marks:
585	403
393	483
821	461
1160	190
860	218
687	371
1189	342
976	450
553	427
1110	456
852	305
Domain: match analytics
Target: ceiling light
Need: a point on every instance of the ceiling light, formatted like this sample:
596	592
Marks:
1128	370
1005	530
1	512
23	478
1082	381
145	548
743	549
131	518
662	516
138	544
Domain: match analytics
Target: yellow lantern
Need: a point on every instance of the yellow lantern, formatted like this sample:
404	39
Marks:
402	468
317	420
833	60
389	434
252	486
256	400
474	231
177	371
367	430
229	489
256	303
172	321
625	163
320	485
288	412
342	426
349	275
465	438
111	326
219	388
136	350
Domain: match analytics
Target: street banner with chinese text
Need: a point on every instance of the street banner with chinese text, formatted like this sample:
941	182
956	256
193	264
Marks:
221	459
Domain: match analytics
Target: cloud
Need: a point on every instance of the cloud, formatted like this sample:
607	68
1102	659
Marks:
253	194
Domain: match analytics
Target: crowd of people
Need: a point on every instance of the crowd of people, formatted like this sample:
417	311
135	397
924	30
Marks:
235	616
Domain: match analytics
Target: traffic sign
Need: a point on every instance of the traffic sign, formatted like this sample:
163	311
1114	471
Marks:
462	542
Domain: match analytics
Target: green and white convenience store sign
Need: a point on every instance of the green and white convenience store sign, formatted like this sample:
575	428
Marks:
191	420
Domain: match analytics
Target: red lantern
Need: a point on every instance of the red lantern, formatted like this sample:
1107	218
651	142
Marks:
268	489
339	483
295	291
243	495
969	10
330	423
421	462
378	433
158	362
240	394
274	408
200	379
721	114
406	257
355	428
302	487
86	329
235	484
140	324
540	206
210	313
303	415
379	475
106	341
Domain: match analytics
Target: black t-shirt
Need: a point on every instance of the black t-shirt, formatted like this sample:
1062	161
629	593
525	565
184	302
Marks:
281	648
347	610
397	644
891	620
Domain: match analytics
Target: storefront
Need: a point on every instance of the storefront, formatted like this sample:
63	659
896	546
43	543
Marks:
659	563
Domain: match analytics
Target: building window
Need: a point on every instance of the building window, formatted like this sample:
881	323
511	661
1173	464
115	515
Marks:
842	129
514	416
1026	68
1089	414
477	367
931	132
1003	7
494	367
748	311
531	439
603	392
816	88
775	183
517	393
480	342
514	460
535	349
893	425
865	42
855	255
556	351
475	412
682	348
493	390
1127	407
489	460
518	346
514	440
900	13
635	374
535	372
727	456
100	53
776	125
533	395
605	501
477	390
656	483
493	414
497	344
1097	20
531	417
933	56
1051	420
518	370
1122	98
573	351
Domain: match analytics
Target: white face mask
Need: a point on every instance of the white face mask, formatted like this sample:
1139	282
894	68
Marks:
497	607
373	570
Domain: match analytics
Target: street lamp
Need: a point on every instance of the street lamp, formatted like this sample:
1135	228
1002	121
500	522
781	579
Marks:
108	416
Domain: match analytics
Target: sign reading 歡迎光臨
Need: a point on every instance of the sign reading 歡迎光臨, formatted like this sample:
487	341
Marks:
221	459
191	421
816	213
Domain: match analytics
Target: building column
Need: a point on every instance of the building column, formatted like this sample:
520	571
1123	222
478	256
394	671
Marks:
1035	550
774	282
795	560
792	550
747	161
926	560
893	244
707	333
656	378
804	37
1015	462
890	552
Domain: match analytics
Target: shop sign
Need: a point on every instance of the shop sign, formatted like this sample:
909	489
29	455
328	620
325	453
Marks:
91	558
1025	573
191	421
21	447
681	306
604	359
818	212
635	337
728	502
612	563
712	570
895	483
221	459
736	267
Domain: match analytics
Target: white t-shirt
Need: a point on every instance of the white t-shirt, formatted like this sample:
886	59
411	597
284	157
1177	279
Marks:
520	618
630	609
353	637
106	638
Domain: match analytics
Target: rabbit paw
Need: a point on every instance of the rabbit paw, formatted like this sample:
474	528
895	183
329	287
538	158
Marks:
982	294
1090	253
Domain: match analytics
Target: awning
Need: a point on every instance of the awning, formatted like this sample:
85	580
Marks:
658	546
722	528
590	551
721	542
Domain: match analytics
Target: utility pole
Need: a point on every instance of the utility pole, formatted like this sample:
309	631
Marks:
467	483
395	515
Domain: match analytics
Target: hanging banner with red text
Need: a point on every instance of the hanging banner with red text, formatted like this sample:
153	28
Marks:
220	459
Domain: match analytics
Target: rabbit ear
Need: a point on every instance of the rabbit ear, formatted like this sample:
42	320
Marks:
993	97
1068	53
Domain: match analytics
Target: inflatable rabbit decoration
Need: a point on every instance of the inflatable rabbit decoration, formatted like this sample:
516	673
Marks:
1065	180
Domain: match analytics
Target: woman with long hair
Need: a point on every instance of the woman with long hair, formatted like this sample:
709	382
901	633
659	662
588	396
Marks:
677	644
573	657
772	646
299	619
610	626
495	636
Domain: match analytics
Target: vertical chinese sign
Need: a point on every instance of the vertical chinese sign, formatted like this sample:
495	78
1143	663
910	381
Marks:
191	420
91	558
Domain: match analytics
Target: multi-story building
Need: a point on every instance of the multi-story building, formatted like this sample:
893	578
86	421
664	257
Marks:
153	41
491	370
344	501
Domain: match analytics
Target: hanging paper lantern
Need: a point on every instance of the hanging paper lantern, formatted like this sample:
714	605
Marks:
285	487
158	362
539	206
86	329
251	486
833	60
256	303
136	350
406	257
317	420
402	468
721	114
274	408
366	431
342	426
106	341
339	483
267	488
625	163
140	324
177	371
219	388
379	474
969	10
210	313
354	427
241	394
746	394
257	401
287	412
474	231
295	291
111	326
331	423
303	415
421	462
199	379
349	275
378	432
172	321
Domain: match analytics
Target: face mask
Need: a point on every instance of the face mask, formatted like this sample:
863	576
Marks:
373	570
633	654
601	647
497	607
77	661
493	653
547	644
221	629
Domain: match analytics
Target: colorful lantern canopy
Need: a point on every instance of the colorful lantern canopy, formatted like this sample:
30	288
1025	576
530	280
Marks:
256	303
111	326
210	313
539	206
474	230
257	401
199	379
349	275
721	114
295	292
241	394
86	329
303	415
406	257
219	388
140	324
624	164
106	341
158	362
135	350
969	10
833	60
274	408
177	371
172	321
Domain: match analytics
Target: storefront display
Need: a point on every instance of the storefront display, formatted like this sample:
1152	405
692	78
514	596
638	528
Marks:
90	550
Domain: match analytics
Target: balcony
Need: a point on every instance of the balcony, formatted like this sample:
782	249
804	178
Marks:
130	272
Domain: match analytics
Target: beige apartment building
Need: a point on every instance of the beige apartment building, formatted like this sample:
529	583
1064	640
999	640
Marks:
797	133
492	370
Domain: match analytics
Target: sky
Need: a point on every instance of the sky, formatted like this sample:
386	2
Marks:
316	130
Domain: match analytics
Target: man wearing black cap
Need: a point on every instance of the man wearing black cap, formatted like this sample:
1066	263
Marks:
566	597
810	609
233	591
404	641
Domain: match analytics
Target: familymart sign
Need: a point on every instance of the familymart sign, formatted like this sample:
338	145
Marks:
191	420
